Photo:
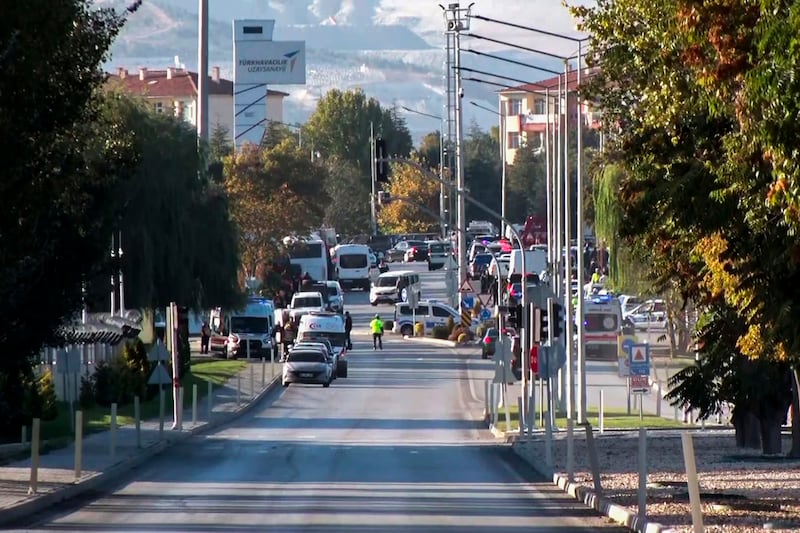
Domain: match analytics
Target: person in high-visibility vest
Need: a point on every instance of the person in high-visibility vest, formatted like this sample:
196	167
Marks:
377	332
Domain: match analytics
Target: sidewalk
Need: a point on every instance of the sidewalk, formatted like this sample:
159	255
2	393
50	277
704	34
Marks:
56	473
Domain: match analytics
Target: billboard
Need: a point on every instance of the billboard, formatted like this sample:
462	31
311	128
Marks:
270	62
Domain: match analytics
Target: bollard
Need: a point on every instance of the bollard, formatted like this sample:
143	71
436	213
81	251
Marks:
252	381
238	389
194	404
112	435
601	415
272	364
263	372
247	343
24	435
179	425
522	422
35	432
658	398
548	440
137	417
593	462
642	474
692	483
78	444
486	399
570	449
641	407
161	401
209	400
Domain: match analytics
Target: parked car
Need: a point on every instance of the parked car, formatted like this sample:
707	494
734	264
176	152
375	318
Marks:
489	343
417	253
307	366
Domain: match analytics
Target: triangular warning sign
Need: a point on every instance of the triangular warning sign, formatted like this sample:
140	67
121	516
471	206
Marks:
638	356
466	286
487	300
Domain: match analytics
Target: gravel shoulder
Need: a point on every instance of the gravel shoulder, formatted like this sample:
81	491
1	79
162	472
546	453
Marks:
741	490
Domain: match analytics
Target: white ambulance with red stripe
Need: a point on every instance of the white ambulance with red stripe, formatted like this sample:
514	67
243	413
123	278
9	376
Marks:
602	318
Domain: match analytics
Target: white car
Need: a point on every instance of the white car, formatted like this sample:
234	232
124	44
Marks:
304	303
652	314
307	366
335	296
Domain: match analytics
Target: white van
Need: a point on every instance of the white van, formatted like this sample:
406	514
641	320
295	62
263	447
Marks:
430	313
384	288
535	262
352	265
603	325
242	332
330	326
305	302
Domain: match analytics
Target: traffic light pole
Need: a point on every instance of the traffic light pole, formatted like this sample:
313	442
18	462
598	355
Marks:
526	335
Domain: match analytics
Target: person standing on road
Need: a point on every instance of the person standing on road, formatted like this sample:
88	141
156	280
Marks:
377	332
205	336
348	327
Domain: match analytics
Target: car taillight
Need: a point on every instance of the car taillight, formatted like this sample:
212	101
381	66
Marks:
487	339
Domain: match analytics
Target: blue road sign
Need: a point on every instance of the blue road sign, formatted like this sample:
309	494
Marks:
467	302
485	314
639	359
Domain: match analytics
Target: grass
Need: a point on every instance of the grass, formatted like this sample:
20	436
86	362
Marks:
98	418
612	419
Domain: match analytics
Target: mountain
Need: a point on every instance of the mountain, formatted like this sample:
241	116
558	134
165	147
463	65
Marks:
392	50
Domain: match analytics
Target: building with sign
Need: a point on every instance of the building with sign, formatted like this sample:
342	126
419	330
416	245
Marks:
174	90
524	109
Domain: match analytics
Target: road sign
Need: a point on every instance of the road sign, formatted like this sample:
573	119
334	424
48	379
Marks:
485	314
466	287
160	376
487	300
68	362
639	358
640	384
467	302
158	353
623	346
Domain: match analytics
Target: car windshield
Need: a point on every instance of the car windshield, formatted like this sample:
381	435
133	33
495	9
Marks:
388	281
249	324
307	301
305	357
353	261
482	259
336	339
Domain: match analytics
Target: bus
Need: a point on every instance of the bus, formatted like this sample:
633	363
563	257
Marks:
311	256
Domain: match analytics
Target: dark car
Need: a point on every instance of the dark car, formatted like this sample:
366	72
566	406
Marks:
398	252
489	343
417	252
479	264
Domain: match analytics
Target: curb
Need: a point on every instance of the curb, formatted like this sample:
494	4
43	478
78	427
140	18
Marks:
618	513
97	480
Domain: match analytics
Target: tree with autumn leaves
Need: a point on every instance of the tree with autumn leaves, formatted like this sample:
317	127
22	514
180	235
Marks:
408	216
700	103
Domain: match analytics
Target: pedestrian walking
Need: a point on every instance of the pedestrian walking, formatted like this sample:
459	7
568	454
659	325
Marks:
205	337
377	332
348	327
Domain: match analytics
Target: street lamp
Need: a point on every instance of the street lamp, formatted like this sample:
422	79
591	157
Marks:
501	130
442	192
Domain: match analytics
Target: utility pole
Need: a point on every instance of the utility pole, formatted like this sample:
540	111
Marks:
202	71
373	198
568	256
581	273
121	283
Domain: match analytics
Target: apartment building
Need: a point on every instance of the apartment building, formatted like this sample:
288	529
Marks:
527	109
174	90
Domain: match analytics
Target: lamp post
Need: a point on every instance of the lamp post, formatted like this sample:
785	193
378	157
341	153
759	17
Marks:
501	130
442	191
202	72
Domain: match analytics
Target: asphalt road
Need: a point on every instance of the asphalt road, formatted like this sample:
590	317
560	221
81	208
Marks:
396	446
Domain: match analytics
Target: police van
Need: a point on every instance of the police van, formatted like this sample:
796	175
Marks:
602	316
318	325
430	313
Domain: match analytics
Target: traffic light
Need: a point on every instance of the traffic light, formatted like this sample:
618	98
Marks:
556	312
514	317
381	165
535	316
544	325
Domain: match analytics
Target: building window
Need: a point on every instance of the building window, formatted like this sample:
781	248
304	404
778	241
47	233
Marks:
513	140
514	107
188	112
538	106
158	107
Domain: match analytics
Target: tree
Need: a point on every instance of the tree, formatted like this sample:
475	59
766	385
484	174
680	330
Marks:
349	191
696	105
429	150
401	216
526	185
272	193
340	128
61	160
178	242
483	171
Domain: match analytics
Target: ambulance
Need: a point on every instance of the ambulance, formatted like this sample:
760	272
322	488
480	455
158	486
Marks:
602	318
318	325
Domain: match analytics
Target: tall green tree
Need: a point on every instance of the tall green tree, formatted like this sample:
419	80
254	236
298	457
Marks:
686	94
61	160
482	172
429	149
526	185
177	237
349	191
340	128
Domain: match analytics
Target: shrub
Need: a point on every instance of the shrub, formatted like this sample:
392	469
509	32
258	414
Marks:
86	396
47	396
184	354
440	332
137	367
462	338
102	383
450	325
458	330
419	329
32	400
